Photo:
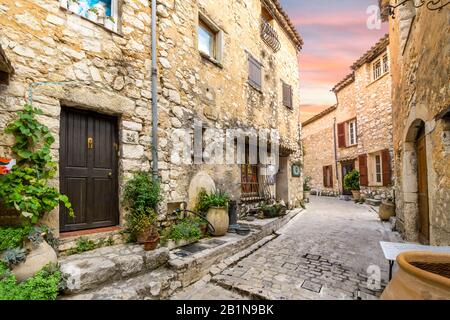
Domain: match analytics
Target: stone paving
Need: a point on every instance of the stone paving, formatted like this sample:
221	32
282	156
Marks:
323	253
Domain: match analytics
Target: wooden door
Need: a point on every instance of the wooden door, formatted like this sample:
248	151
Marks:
88	169
424	217
347	167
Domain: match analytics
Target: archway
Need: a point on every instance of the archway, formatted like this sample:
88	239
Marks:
415	184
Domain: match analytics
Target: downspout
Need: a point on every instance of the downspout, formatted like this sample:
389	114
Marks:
335	142
154	95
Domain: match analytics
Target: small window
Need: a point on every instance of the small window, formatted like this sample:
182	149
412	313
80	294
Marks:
377	70
104	12
352	133
385	63
328	177
209	39
380	67
378	172
375	169
287	95
254	73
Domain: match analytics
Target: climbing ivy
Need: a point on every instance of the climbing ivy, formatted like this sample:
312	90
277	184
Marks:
25	188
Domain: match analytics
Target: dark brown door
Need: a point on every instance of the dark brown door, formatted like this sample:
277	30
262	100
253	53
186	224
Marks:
88	169
347	167
424	217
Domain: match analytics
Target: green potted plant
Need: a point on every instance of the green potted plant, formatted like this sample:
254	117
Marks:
351	182
141	197
307	187
215	207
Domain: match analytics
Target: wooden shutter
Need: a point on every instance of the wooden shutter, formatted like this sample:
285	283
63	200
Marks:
386	164
341	135
287	95
325	180
363	172
254	72
330	173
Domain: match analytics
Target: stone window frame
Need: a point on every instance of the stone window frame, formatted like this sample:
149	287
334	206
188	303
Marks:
217	33
383	61
372	169
107	24
349	134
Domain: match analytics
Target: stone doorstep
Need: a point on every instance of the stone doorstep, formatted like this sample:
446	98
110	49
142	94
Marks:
100	267
194	267
69	242
155	285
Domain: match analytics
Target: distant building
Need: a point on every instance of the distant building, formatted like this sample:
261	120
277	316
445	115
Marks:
357	132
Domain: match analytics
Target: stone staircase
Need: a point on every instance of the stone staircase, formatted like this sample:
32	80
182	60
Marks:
124	272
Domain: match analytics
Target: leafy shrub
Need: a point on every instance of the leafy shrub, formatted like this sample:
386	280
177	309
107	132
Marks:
138	221
83	245
13	237
14	256
187	229
205	201
25	188
307	184
351	180
142	192
45	285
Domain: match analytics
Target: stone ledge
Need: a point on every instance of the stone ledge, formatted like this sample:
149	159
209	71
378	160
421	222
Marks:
95	268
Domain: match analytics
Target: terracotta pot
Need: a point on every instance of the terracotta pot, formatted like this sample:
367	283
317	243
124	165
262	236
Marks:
151	243
306	194
356	194
37	259
142	237
387	210
204	229
421	276
218	217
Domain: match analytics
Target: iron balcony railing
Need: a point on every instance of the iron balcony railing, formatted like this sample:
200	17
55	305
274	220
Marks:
270	36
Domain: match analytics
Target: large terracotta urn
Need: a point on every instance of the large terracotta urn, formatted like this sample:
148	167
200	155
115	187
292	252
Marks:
386	211
218	218
356	195
421	276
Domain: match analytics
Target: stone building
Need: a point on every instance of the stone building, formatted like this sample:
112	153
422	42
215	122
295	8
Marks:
420	52
228	66
357	132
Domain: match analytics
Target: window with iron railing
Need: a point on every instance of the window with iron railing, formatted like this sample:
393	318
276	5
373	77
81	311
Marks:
269	35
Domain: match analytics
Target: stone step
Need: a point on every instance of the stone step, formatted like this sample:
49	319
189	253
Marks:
155	285
99	267
373	202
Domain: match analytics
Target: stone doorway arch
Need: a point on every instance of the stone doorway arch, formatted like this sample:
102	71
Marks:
415	183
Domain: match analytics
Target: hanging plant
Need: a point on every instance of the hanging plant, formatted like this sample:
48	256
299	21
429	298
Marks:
25	188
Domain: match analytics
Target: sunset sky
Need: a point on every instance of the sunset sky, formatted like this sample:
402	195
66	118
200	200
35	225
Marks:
335	34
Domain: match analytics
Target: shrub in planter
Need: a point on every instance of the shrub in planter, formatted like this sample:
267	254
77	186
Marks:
215	207
351	182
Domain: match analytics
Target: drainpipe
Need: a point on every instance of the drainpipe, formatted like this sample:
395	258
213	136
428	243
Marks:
335	140
154	95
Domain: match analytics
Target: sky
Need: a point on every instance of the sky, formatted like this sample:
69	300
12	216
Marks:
335	35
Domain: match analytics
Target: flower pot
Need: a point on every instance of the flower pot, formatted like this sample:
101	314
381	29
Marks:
306	195
356	194
204	229
421	276
218	218
37	259
151	243
386	211
144	235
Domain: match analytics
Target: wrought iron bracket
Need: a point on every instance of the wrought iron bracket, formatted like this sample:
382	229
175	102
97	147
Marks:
433	5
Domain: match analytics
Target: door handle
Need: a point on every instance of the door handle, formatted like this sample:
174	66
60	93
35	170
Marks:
90	143
110	175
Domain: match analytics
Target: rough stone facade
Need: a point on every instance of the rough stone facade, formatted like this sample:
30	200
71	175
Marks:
366	101
110	73
421	98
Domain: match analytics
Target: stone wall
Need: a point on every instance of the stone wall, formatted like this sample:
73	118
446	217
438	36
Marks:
111	73
420	64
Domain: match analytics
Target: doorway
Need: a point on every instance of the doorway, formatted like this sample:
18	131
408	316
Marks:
282	183
422	190
88	169
347	167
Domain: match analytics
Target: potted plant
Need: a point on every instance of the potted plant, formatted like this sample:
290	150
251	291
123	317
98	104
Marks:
351	182
92	14
387	209
215	207
307	188
74	6
141	196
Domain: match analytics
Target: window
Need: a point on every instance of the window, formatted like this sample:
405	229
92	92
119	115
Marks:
254	73
378	172
103	12
287	95
376	169
328	177
347	133
249	177
380	67
352	133
209	39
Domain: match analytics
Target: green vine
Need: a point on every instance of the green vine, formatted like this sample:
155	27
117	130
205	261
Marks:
25	188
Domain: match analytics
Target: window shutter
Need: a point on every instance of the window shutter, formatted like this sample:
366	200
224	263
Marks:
287	95
325	171
341	135
330	172
254	72
386	163
364	178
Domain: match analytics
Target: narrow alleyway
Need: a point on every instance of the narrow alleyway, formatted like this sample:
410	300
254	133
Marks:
323	253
